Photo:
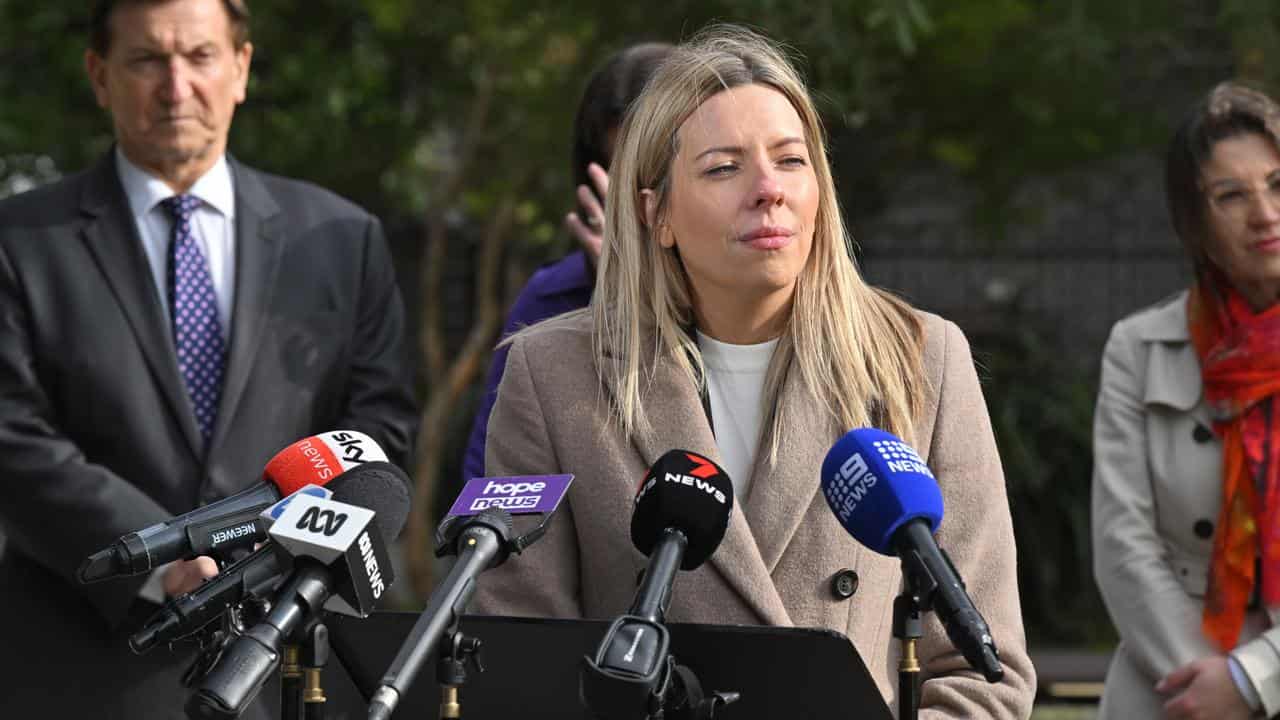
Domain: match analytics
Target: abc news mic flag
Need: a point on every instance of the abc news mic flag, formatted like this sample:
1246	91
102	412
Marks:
342	537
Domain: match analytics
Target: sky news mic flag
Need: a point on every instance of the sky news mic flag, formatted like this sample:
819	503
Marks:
232	522
885	496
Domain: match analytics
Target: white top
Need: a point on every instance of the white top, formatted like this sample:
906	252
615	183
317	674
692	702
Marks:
213	225
735	384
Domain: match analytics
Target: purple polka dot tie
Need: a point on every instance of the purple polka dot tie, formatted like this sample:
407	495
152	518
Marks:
197	333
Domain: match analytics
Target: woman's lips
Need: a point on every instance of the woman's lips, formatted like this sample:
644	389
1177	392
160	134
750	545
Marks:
1269	244
770	237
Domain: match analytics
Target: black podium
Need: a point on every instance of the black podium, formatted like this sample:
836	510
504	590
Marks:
531	668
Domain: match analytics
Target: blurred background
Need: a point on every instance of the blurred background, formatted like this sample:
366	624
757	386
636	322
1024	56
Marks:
999	161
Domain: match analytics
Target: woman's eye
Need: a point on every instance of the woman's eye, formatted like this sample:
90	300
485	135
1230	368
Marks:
721	169
1230	196
794	161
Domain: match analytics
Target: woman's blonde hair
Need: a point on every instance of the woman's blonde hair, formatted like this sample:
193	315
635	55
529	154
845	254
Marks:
857	348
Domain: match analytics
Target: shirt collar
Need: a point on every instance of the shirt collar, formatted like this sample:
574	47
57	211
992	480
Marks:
145	190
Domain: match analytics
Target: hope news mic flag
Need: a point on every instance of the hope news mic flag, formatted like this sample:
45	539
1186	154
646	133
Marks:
479	529
232	522
885	496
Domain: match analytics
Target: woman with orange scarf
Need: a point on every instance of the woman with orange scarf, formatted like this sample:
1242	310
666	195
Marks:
1186	485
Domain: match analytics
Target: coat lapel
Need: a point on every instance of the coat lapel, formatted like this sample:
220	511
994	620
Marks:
673	407
258	249
1173	369
782	493
112	238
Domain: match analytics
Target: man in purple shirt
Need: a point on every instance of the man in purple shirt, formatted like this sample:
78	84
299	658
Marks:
566	284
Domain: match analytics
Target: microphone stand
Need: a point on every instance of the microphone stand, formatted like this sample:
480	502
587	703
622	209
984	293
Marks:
315	655
907	628
480	542
671	692
456	653
291	683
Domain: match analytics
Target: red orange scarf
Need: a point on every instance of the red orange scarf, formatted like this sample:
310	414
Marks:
1239	354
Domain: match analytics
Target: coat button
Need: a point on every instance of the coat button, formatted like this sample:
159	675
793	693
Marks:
844	584
1203	529
1201	434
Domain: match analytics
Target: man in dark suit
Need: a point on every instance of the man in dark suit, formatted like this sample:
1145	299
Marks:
169	319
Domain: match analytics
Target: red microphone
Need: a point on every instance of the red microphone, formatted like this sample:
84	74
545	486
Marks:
233	522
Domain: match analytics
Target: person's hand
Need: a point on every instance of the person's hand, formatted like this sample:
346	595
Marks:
1203	690
183	576
590	230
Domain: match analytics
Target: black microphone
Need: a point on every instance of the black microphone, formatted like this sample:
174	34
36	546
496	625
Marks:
232	522
682	511
254	575
338	551
479	531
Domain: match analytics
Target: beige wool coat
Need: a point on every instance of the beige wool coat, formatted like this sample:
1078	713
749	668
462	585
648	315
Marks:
784	545
1157	491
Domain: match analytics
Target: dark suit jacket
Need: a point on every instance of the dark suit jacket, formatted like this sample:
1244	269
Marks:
97	436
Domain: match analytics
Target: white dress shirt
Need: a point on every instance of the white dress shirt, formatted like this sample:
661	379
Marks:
213	225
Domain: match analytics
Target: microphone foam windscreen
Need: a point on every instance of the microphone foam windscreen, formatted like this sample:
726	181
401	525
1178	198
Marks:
380	487
320	458
687	492
874	482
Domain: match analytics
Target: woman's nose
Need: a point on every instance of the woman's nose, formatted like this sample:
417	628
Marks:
768	190
1266	209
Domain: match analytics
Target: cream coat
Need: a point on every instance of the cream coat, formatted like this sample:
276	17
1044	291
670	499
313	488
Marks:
1157	490
783	545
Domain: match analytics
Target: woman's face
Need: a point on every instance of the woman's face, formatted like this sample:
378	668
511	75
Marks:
743	197
1242	182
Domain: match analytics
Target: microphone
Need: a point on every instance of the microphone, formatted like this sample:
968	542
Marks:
887	499
254	575
479	531
338	551
232	522
682	511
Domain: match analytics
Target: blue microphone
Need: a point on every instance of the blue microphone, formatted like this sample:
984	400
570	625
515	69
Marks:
887	499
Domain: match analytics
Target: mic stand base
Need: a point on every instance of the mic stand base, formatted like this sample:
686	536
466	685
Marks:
907	628
291	684
685	699
456	653
315	655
